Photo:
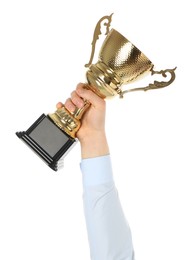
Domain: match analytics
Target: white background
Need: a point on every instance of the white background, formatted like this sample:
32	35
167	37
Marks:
43	48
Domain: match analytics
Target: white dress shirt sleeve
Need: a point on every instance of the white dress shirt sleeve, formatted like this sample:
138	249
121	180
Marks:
108	230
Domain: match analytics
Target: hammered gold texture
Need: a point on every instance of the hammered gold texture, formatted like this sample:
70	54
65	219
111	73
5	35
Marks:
125	59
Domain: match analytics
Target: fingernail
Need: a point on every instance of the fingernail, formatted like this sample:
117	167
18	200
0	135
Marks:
80	91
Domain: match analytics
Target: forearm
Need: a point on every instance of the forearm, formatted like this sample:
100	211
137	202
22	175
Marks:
94	145
108	231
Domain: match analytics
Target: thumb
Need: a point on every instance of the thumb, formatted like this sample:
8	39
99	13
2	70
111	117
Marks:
89	95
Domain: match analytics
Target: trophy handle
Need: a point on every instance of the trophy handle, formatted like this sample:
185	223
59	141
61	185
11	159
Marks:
156	84
96	34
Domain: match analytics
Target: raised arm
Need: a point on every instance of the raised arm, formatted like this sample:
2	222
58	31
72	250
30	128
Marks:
108	231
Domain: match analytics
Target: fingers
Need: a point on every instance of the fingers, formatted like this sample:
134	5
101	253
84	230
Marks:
59	105
78	96
75	101
89	95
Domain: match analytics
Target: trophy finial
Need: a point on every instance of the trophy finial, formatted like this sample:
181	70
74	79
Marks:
96	34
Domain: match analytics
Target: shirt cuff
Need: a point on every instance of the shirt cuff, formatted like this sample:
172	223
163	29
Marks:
97	170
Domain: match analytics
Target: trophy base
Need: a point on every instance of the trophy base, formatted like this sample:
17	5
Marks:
47	140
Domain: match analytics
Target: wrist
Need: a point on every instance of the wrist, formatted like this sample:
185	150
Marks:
94	145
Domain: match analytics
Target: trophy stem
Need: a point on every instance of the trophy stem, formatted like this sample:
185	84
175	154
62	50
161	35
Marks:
66	121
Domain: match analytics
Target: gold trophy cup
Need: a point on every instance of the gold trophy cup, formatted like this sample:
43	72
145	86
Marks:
119	62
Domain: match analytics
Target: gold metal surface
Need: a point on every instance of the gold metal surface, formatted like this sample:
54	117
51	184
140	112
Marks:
119	62
66	121
156	84
97	33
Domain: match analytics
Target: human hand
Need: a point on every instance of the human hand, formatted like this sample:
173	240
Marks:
92	131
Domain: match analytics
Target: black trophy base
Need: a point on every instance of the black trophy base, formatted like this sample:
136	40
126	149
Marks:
48	141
